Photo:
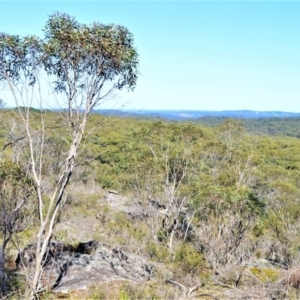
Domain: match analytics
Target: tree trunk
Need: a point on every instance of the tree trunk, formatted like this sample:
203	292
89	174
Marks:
2	271
48	224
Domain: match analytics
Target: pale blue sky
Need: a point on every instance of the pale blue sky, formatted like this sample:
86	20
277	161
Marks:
202	55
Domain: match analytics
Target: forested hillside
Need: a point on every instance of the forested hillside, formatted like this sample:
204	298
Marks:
275	126
214	208
264	126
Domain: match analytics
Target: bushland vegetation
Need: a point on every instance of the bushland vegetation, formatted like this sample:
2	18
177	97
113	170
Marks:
220	205
266	126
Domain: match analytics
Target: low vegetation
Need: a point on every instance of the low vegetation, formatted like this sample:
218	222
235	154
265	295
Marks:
220	205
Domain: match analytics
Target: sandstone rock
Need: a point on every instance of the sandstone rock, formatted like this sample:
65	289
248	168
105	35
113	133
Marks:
114	199
77	267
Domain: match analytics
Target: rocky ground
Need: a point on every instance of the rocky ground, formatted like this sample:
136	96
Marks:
82	262
69	268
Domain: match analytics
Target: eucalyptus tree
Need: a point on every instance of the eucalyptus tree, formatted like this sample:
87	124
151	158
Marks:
84	65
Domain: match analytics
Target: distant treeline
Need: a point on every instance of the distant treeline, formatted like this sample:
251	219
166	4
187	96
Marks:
269	126
274	126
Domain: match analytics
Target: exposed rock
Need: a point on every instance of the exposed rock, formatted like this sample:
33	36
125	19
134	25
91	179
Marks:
113	192
76	267
114	198
120	203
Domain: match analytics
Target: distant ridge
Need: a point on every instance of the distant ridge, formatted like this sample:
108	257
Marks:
196	114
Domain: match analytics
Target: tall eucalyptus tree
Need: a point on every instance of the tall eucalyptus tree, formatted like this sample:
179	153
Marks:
84	65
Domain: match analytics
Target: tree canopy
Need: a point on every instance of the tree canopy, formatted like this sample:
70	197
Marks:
94	58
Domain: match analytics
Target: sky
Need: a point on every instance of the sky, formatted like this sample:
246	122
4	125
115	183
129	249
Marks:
194	55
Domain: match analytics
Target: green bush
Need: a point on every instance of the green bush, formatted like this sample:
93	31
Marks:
189	260
157	252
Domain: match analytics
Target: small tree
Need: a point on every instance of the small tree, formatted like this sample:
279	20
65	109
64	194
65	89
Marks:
16	205
84	64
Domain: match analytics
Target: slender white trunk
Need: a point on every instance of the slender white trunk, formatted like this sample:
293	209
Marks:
48	224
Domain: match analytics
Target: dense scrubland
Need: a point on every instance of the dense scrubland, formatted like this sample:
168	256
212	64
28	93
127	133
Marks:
274	126
216	207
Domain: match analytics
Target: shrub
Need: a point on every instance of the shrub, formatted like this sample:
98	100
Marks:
189	260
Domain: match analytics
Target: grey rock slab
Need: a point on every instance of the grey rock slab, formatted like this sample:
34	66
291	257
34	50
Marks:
68	268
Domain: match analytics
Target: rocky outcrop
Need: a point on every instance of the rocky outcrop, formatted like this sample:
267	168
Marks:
77	267
119	203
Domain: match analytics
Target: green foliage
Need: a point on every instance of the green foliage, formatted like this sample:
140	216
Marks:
243	184
16	284
157	252
16	192
244	188
123	224
129	291
261	126
12	173
104	50
265	275
189	260
126	291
